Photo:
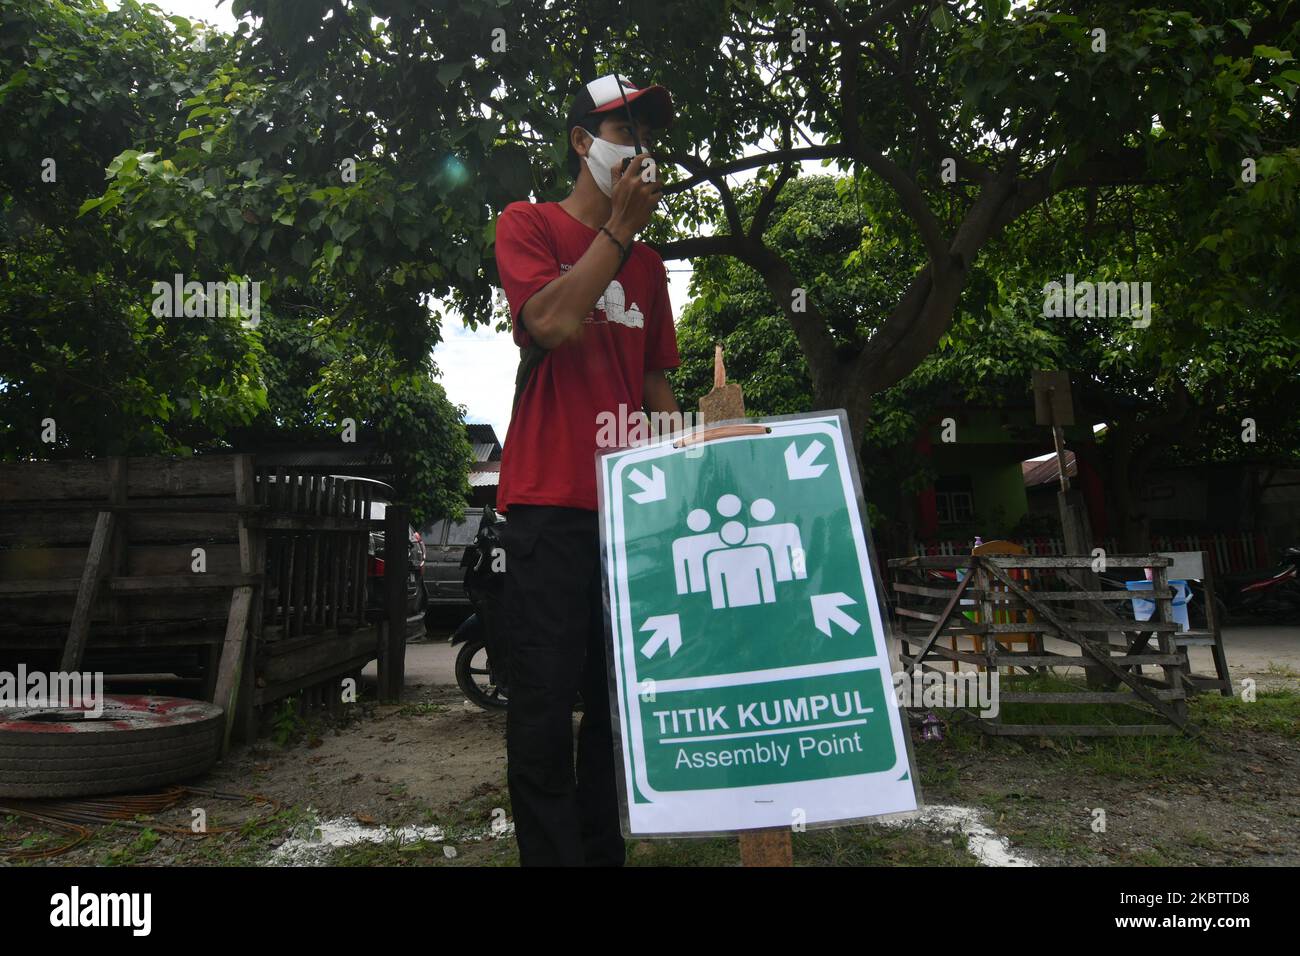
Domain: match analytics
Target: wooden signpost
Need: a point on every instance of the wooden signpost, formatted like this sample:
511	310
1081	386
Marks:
758	847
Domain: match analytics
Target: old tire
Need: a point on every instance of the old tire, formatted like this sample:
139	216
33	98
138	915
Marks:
138	743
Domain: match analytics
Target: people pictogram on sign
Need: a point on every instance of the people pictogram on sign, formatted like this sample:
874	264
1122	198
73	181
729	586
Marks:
738	565
689	552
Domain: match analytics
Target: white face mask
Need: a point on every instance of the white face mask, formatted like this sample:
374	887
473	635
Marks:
603	158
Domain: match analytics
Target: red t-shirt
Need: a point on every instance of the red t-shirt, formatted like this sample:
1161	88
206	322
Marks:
549	457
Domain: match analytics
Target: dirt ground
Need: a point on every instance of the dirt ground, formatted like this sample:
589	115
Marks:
436	765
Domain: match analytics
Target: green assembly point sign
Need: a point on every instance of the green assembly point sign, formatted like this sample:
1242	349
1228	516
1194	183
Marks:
747	645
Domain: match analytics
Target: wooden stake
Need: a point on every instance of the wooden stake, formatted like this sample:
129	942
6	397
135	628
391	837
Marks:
91	575
725	401
758	847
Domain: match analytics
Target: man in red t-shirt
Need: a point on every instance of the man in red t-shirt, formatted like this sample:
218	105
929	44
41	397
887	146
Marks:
590	312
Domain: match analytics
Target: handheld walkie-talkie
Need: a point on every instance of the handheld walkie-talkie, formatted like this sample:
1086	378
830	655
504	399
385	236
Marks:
628	108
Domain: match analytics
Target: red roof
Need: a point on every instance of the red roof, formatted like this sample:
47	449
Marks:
1046	471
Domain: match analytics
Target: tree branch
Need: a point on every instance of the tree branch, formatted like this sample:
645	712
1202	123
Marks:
829	151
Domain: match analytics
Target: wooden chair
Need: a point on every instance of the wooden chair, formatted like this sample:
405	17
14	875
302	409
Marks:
1005	614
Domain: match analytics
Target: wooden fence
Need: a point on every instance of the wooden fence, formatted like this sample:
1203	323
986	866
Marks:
1002	601
1234	553
248	584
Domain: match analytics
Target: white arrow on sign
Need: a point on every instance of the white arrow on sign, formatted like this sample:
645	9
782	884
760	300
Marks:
667	630
826	611
653	488
801	466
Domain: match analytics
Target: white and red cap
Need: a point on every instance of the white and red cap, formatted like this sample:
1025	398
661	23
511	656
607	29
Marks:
607	93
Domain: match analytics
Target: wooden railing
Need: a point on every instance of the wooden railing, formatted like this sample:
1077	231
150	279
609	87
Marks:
1000	598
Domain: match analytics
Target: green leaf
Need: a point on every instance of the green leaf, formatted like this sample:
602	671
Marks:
188	134
343	229
303	252
120	159
449	71
1272	53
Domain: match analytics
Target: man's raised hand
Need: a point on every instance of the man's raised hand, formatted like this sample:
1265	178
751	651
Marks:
636	195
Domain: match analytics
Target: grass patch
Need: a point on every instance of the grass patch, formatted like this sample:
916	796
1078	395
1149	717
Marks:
1081	713
422	708
133	853
864	845
1272	711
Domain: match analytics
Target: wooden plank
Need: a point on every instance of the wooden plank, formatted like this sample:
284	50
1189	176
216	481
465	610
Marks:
238	700
37	564
956	562
1173	672
289	543
1075	730
45	480
1065	660
232	657
274	692
1082	697
299	584
166	506
173	583
1022	659
991	647
318	654
37	530
938	627
152	634
1003	597
79	629
39	587
928	591
1212	625
313	576
1042	627
966	627
118	557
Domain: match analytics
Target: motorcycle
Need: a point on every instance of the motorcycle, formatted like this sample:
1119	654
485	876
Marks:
1273	596
481	661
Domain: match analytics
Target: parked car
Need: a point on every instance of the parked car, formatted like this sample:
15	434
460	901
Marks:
445	543
381	495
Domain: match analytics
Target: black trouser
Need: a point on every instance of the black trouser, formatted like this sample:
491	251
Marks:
553	610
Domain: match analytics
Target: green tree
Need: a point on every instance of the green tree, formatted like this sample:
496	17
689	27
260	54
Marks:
178	151
969	114
1164	395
